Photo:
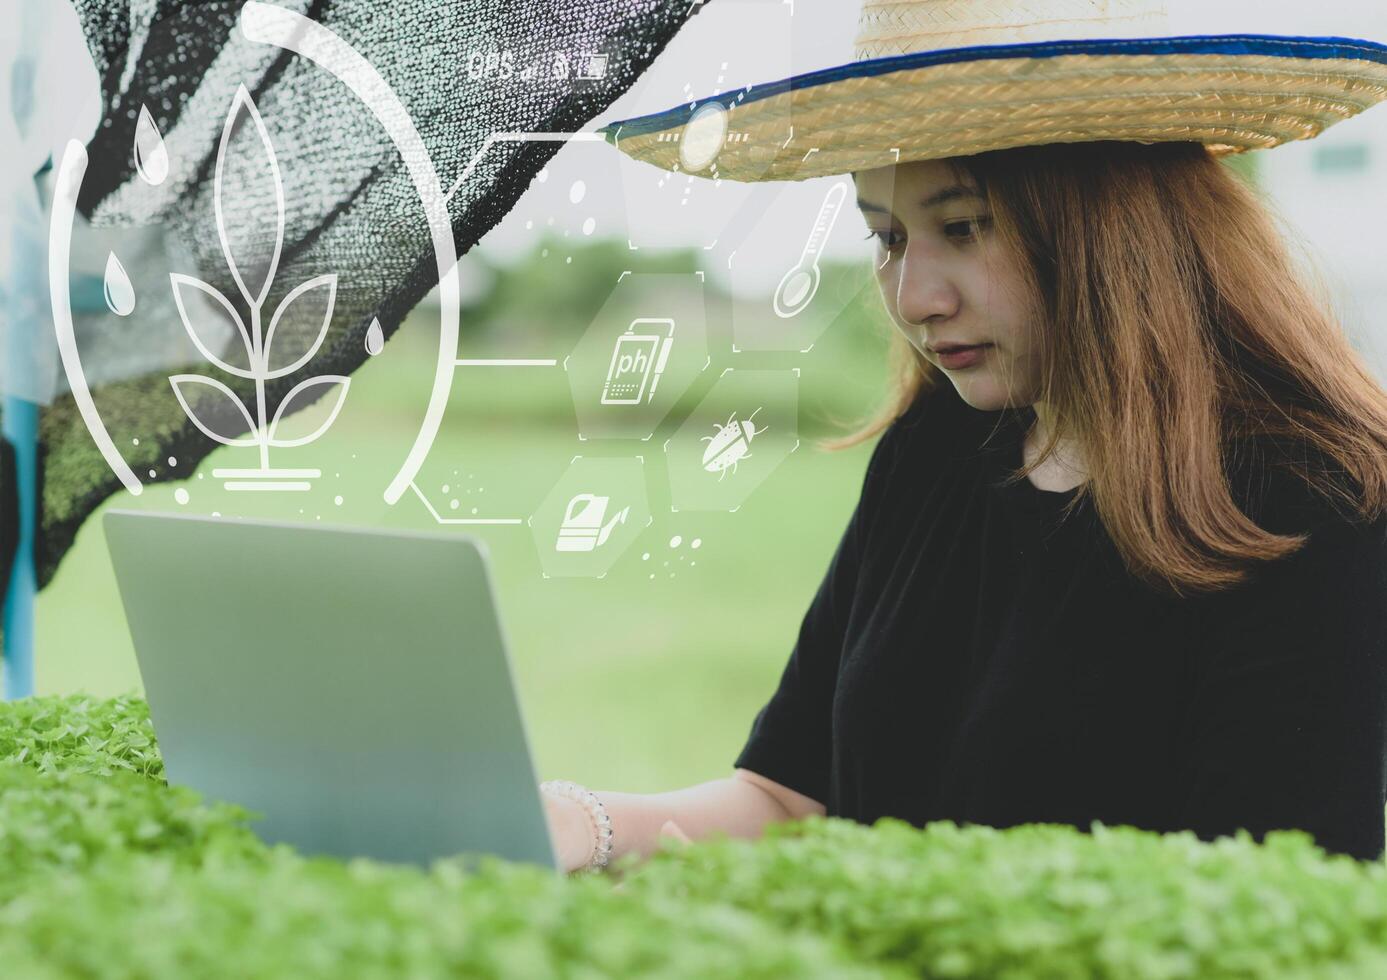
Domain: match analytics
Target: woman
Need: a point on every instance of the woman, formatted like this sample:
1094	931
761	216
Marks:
1123	560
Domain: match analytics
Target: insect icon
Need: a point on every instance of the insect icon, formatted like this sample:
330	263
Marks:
730	445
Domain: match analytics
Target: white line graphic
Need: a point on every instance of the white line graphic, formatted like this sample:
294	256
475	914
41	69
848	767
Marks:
223	473
522	138
462	520
506	362
266	485
70	173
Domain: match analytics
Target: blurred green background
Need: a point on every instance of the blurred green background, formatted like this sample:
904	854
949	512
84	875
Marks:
647	679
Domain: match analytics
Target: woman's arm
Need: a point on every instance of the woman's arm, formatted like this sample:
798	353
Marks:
740	805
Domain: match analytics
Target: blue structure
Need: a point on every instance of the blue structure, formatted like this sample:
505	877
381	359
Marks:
25	278
48	92
21	429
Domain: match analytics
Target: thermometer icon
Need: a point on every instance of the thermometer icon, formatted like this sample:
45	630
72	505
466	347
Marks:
799	285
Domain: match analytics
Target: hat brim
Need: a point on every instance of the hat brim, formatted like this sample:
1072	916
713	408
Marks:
1231	92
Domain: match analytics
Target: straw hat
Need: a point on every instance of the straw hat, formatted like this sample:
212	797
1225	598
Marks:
942	78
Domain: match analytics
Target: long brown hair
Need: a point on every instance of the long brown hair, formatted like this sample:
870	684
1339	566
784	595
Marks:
1176	328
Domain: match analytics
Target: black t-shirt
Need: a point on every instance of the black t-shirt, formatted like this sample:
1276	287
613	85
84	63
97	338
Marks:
971	657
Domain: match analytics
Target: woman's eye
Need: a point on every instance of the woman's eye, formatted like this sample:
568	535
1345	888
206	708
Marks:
884	238
966	228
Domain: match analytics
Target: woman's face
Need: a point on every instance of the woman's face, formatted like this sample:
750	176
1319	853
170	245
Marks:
946	280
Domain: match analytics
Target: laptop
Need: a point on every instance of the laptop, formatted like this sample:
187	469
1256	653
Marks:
350	684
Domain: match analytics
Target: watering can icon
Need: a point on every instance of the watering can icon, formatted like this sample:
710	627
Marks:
582	528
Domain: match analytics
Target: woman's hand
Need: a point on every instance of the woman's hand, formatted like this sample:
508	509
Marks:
672	829
572	833
570	829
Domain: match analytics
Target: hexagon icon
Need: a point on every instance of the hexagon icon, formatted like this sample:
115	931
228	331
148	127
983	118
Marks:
593	513
784	263
730	443
640	354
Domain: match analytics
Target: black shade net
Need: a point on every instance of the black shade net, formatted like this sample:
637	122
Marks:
355	247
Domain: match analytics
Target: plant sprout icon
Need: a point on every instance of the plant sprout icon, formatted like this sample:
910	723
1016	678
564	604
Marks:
267	355
262	357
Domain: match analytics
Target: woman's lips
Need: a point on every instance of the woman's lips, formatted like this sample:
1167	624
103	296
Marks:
962	357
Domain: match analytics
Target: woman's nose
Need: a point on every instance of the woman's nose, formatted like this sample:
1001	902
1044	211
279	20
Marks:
926	290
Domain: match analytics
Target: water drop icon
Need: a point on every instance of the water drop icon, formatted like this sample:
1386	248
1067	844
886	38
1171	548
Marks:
375	338
120	295
151	158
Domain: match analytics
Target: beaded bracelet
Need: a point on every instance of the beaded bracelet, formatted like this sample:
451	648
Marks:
597	814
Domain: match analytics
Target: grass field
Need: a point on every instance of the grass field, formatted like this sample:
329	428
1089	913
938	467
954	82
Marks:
645	680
